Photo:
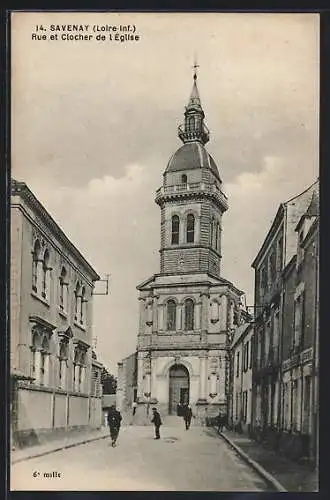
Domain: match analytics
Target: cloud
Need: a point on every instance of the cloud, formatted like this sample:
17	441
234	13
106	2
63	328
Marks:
114	223
253	202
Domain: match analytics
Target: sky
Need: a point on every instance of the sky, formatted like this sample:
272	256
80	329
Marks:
94	124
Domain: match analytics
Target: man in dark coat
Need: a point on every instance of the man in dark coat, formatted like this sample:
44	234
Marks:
114	421
187	415
156	420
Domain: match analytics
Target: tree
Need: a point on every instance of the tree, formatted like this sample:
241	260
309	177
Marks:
108	381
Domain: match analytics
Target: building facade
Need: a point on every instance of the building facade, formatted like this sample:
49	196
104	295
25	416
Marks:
126	392
279	355
300	343
50	326
241	379
188	311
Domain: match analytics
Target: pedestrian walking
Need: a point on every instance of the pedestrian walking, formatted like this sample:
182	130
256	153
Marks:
157	421
134	405
221	421
187	416
114	422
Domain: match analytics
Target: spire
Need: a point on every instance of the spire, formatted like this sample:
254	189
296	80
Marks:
194	128
194	96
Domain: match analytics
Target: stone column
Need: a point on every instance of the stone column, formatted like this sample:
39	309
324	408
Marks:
63	374
153	379
204	311
141	315
37	366
140	375
46	370
203	377
82	386
179	317
76	378
160	309
155	314
223	312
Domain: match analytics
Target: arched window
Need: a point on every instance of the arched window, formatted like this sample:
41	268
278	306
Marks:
189	314
83	306
190	228
175	229
77	306
63	356
184	179
171	315
35	261
45	275
63	298
34	348
191	123
44	366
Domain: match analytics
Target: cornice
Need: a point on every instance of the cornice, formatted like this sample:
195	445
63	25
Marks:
21	189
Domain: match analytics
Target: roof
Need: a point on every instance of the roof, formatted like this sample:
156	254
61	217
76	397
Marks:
19	188
240	330
194	100
277	220
192	155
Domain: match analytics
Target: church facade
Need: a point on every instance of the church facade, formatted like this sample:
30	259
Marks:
188	311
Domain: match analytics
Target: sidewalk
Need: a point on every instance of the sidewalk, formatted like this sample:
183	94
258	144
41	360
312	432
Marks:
284	474
73	438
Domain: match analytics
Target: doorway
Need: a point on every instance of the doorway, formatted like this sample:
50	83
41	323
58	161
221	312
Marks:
178	388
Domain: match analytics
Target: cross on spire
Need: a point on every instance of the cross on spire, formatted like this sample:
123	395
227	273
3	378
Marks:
195	66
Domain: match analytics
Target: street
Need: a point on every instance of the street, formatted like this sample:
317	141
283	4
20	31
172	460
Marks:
193	460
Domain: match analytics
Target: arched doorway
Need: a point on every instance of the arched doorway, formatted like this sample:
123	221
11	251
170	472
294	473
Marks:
178	387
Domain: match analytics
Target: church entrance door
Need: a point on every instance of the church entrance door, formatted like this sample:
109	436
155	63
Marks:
178	388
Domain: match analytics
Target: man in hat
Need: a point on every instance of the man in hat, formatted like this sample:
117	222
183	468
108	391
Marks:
114	421
187	416
156	420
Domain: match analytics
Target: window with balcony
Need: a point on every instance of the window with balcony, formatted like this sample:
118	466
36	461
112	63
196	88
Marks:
171	315
175	230
188	314
184	179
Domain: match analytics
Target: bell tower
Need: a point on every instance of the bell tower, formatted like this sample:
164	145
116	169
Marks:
187	311
191	200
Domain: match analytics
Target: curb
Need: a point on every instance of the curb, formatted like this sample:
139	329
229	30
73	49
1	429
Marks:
59	448
257	467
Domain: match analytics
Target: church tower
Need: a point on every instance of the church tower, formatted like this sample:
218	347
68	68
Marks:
188	311
191	200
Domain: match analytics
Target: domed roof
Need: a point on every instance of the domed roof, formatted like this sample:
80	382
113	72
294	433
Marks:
190	156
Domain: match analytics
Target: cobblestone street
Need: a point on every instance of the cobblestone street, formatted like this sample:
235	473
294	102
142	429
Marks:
182	460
